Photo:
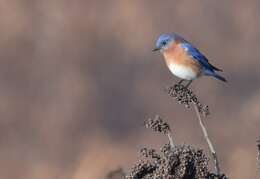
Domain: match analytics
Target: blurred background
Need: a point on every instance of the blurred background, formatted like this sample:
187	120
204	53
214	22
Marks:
77	79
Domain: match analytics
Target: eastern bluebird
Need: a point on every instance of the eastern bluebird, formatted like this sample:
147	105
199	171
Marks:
184	60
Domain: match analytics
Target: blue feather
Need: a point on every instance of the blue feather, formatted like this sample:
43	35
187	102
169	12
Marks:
214	74
197	55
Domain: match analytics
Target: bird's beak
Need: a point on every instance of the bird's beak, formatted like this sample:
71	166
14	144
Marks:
156	49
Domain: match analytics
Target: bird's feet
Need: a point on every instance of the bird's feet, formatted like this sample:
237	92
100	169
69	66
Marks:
180	82
187	85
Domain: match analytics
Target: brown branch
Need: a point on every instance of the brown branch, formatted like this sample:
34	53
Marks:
205	133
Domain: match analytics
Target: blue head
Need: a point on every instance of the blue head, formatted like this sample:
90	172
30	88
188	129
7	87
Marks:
165	41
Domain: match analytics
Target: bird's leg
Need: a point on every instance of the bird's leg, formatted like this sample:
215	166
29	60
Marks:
188	84
180	82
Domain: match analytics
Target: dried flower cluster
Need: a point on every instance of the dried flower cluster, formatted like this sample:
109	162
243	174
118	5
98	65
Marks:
157	125
178	162
182	162
258	152
185	96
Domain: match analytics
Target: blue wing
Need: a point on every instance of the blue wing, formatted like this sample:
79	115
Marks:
195	53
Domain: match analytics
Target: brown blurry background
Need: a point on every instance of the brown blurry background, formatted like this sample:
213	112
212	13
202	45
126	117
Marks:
77	79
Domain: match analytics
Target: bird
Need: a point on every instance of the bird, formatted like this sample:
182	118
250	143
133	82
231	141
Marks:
184	60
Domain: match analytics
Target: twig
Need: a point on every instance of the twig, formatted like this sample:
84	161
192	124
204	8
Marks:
169	135
205	133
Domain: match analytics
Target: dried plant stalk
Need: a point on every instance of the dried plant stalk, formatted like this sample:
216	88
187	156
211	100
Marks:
177	161
172	161
169	135
205	133
186	96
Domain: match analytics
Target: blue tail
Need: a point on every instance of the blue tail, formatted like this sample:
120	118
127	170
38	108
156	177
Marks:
214	74
219	77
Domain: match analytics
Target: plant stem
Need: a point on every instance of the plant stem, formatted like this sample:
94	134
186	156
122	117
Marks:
169	135
205	133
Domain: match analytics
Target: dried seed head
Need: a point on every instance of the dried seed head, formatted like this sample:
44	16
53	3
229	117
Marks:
157	125
171	163
141	169
186	96
149	153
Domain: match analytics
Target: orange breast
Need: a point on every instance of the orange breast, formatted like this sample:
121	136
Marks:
176	55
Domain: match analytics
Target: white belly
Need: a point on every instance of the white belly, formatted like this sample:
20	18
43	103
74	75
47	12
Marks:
183	72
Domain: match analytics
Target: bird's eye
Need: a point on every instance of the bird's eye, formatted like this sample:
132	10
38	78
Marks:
164	42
